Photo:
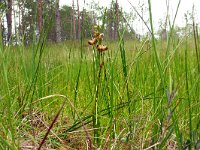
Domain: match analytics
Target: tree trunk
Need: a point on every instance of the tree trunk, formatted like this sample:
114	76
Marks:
39	16
21	17
110	26
14	27
116	20
79	21
9	19
71	30
23	20
58	24
73	21
82	23
1	32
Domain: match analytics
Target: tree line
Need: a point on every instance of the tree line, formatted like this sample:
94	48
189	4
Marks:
24	21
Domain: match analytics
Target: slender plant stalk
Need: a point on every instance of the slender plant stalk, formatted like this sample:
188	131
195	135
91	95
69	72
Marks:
188	93
158	63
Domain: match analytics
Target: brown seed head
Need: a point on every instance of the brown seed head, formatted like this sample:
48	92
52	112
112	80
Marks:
96	34
102	48
92	41
101	35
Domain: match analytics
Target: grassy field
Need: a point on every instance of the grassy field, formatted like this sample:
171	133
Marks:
133	96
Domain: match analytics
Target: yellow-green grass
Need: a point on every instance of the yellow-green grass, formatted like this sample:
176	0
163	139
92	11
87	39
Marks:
134	110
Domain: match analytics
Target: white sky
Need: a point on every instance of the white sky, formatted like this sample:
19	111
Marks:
159	10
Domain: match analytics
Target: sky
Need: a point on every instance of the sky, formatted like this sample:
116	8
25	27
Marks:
159	10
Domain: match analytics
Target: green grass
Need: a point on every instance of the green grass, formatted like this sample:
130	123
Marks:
131	97
137	95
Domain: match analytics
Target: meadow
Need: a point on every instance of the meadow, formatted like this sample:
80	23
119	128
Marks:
132	96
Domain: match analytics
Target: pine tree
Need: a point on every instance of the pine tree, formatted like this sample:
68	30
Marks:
73	21
40	16
58	24
79	21
9	19
116	23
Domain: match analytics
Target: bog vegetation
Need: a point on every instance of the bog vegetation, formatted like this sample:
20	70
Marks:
85	79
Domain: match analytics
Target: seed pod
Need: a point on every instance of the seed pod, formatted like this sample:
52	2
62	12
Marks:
102	48
96	34
101	36
92	41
